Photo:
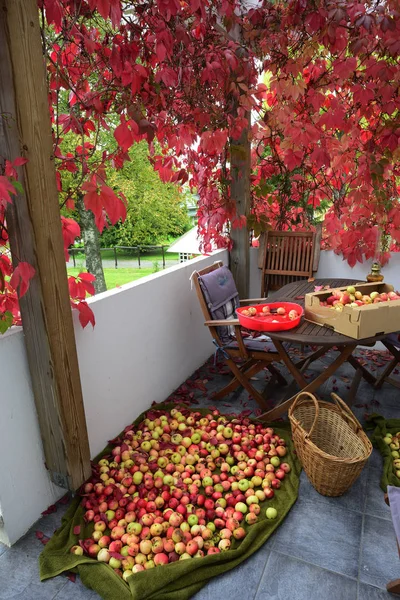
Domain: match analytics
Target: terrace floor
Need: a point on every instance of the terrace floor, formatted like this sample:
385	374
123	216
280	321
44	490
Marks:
327	548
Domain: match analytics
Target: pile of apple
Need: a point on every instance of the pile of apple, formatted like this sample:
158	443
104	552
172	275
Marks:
251	311
180	486
354	298
393	441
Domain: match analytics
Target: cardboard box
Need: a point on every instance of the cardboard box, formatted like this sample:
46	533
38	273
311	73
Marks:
356	322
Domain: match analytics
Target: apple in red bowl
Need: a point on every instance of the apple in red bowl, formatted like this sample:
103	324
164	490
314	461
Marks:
273	316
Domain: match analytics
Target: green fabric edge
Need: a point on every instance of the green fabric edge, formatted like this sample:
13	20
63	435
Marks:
176	581
381	427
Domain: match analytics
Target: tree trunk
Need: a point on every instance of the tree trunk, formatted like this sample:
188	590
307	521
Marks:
91	241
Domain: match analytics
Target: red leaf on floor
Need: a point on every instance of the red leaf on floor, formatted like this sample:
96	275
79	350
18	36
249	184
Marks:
64	499
245	413
224	404
77	530
39	534
51	509
71	576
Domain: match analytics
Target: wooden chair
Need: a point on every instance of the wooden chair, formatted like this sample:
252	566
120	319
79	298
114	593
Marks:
287	256
256	355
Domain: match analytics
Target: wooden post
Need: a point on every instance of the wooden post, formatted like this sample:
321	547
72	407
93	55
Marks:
240	193
240	166
35	237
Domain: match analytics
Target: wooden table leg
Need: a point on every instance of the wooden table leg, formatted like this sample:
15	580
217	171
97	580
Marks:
365	373
393	587
354	387
311	387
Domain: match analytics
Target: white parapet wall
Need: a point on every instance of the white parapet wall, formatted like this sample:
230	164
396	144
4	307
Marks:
25	486
149	337
332	265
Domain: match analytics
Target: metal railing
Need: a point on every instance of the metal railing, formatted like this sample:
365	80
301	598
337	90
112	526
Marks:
137	251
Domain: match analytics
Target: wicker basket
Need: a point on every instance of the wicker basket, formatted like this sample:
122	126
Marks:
330	443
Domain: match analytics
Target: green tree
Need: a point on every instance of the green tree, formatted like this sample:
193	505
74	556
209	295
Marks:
156	211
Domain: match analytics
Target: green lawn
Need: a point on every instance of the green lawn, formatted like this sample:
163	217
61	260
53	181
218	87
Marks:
117	277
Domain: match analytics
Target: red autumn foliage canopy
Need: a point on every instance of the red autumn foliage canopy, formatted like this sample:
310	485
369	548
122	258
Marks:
325	128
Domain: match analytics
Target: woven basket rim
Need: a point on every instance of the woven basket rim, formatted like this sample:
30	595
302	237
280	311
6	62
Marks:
361	435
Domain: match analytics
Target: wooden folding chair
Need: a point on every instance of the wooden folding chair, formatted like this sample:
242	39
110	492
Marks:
255	355
287	256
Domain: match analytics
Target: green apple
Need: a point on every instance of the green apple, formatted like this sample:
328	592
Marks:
243	485
192	520
275	461
196	438
271	513
241	507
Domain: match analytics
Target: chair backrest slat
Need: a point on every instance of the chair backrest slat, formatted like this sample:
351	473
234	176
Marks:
288	256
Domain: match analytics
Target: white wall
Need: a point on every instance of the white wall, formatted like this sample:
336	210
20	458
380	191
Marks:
149	337
332	265
25	487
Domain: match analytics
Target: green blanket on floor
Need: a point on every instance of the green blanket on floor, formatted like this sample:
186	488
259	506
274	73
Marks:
176	581
381	427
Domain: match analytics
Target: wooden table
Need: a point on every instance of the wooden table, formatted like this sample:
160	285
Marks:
321	338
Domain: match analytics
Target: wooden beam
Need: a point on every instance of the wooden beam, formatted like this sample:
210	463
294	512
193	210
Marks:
240	194
35	237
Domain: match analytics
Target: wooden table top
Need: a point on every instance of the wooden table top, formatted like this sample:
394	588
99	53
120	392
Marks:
311	333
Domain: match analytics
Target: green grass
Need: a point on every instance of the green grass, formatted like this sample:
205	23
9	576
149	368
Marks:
117	277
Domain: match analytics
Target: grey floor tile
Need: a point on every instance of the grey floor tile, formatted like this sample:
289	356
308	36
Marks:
286	577
375	504
324	535
239	583
49	523
76	591
3	549
375	460
379	556
369	592
19	573
353	499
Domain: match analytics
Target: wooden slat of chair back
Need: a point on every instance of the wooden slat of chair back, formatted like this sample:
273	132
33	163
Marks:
288	257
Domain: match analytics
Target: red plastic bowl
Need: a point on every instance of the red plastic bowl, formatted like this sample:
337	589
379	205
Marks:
264	323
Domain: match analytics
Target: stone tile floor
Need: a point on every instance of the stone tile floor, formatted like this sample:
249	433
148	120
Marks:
327	548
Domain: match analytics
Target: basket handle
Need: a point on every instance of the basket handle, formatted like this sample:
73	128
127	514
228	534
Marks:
346	412
297	401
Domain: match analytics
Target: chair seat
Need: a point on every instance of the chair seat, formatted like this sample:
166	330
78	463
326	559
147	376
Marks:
261	344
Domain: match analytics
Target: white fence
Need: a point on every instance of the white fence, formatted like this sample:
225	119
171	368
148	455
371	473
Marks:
149	337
